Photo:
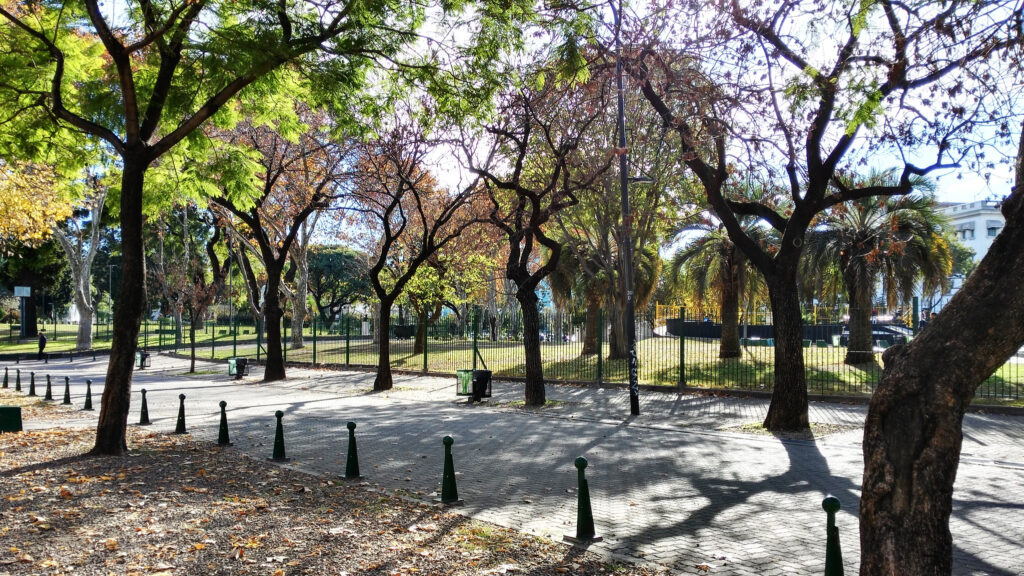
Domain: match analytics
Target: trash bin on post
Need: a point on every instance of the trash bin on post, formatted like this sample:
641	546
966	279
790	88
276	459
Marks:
481	384
238	367
142	360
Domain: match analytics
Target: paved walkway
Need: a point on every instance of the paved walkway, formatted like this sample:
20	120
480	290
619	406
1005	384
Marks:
680	485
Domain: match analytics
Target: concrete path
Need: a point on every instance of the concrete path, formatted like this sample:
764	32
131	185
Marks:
681	485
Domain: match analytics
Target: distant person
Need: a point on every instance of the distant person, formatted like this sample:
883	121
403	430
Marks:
924	319
42	343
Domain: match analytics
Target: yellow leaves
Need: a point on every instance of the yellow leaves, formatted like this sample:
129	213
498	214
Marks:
110	544
30	204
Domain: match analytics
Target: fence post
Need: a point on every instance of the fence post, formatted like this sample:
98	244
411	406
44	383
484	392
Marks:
213	340
160	333
347	332
475	322
423	319
284	339
259	337
682	347
234	339
146	323
314	341
600	345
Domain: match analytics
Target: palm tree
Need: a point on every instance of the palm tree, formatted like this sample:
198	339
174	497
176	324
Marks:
711	265
895	240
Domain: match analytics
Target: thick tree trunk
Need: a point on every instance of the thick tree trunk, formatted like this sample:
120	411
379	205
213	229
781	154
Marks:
913	432
117	388
618	347
590	328
85	317
531	347
272	314
860	346
383	380
729	346
788	408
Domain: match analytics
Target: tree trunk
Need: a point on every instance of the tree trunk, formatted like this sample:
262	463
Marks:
618	347
860	346
85	316
299	308
788	408
531	347
590	328
914	427
421	335
272	314
117	389
177	326
192	344
383	380
729	346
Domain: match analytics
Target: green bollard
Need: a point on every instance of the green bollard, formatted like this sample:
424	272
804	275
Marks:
46	358
180	428
67	391
49	389
88	395
584	515
222	436
833	553
32	384
17	381
144	413
279	440
449	491
5	376
352	461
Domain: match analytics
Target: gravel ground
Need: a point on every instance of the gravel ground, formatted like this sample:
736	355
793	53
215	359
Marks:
176	506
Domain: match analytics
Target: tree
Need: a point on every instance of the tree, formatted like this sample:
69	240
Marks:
297	179
592	231
407	217
712	265
896	240
809	87
541	150
337	278
80	239
914	428
153	81
29	202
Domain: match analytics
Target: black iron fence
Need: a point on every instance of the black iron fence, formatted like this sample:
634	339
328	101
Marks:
674	349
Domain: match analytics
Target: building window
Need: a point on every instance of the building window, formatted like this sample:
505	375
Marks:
993	232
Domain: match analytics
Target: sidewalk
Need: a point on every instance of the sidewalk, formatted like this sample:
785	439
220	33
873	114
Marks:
679	485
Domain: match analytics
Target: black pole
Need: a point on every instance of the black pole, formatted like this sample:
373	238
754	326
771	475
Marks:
626	248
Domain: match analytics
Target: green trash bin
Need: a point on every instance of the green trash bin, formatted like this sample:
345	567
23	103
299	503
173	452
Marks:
10	418
464	382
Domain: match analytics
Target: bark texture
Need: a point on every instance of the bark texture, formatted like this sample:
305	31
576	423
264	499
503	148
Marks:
788	409
117	389
535	395
383	381
913	433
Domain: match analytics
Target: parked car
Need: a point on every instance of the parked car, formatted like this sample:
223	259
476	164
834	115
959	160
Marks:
888	334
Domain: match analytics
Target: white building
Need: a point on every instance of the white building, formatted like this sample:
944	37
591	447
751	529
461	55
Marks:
976	225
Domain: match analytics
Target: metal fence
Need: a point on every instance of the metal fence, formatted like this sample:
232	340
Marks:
674	347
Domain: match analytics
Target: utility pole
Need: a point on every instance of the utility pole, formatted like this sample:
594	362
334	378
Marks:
626	248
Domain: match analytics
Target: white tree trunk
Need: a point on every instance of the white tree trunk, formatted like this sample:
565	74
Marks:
80	246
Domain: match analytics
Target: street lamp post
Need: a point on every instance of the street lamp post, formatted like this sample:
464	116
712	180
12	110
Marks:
626	248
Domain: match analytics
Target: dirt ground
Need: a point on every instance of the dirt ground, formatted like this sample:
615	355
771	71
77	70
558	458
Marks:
175	506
